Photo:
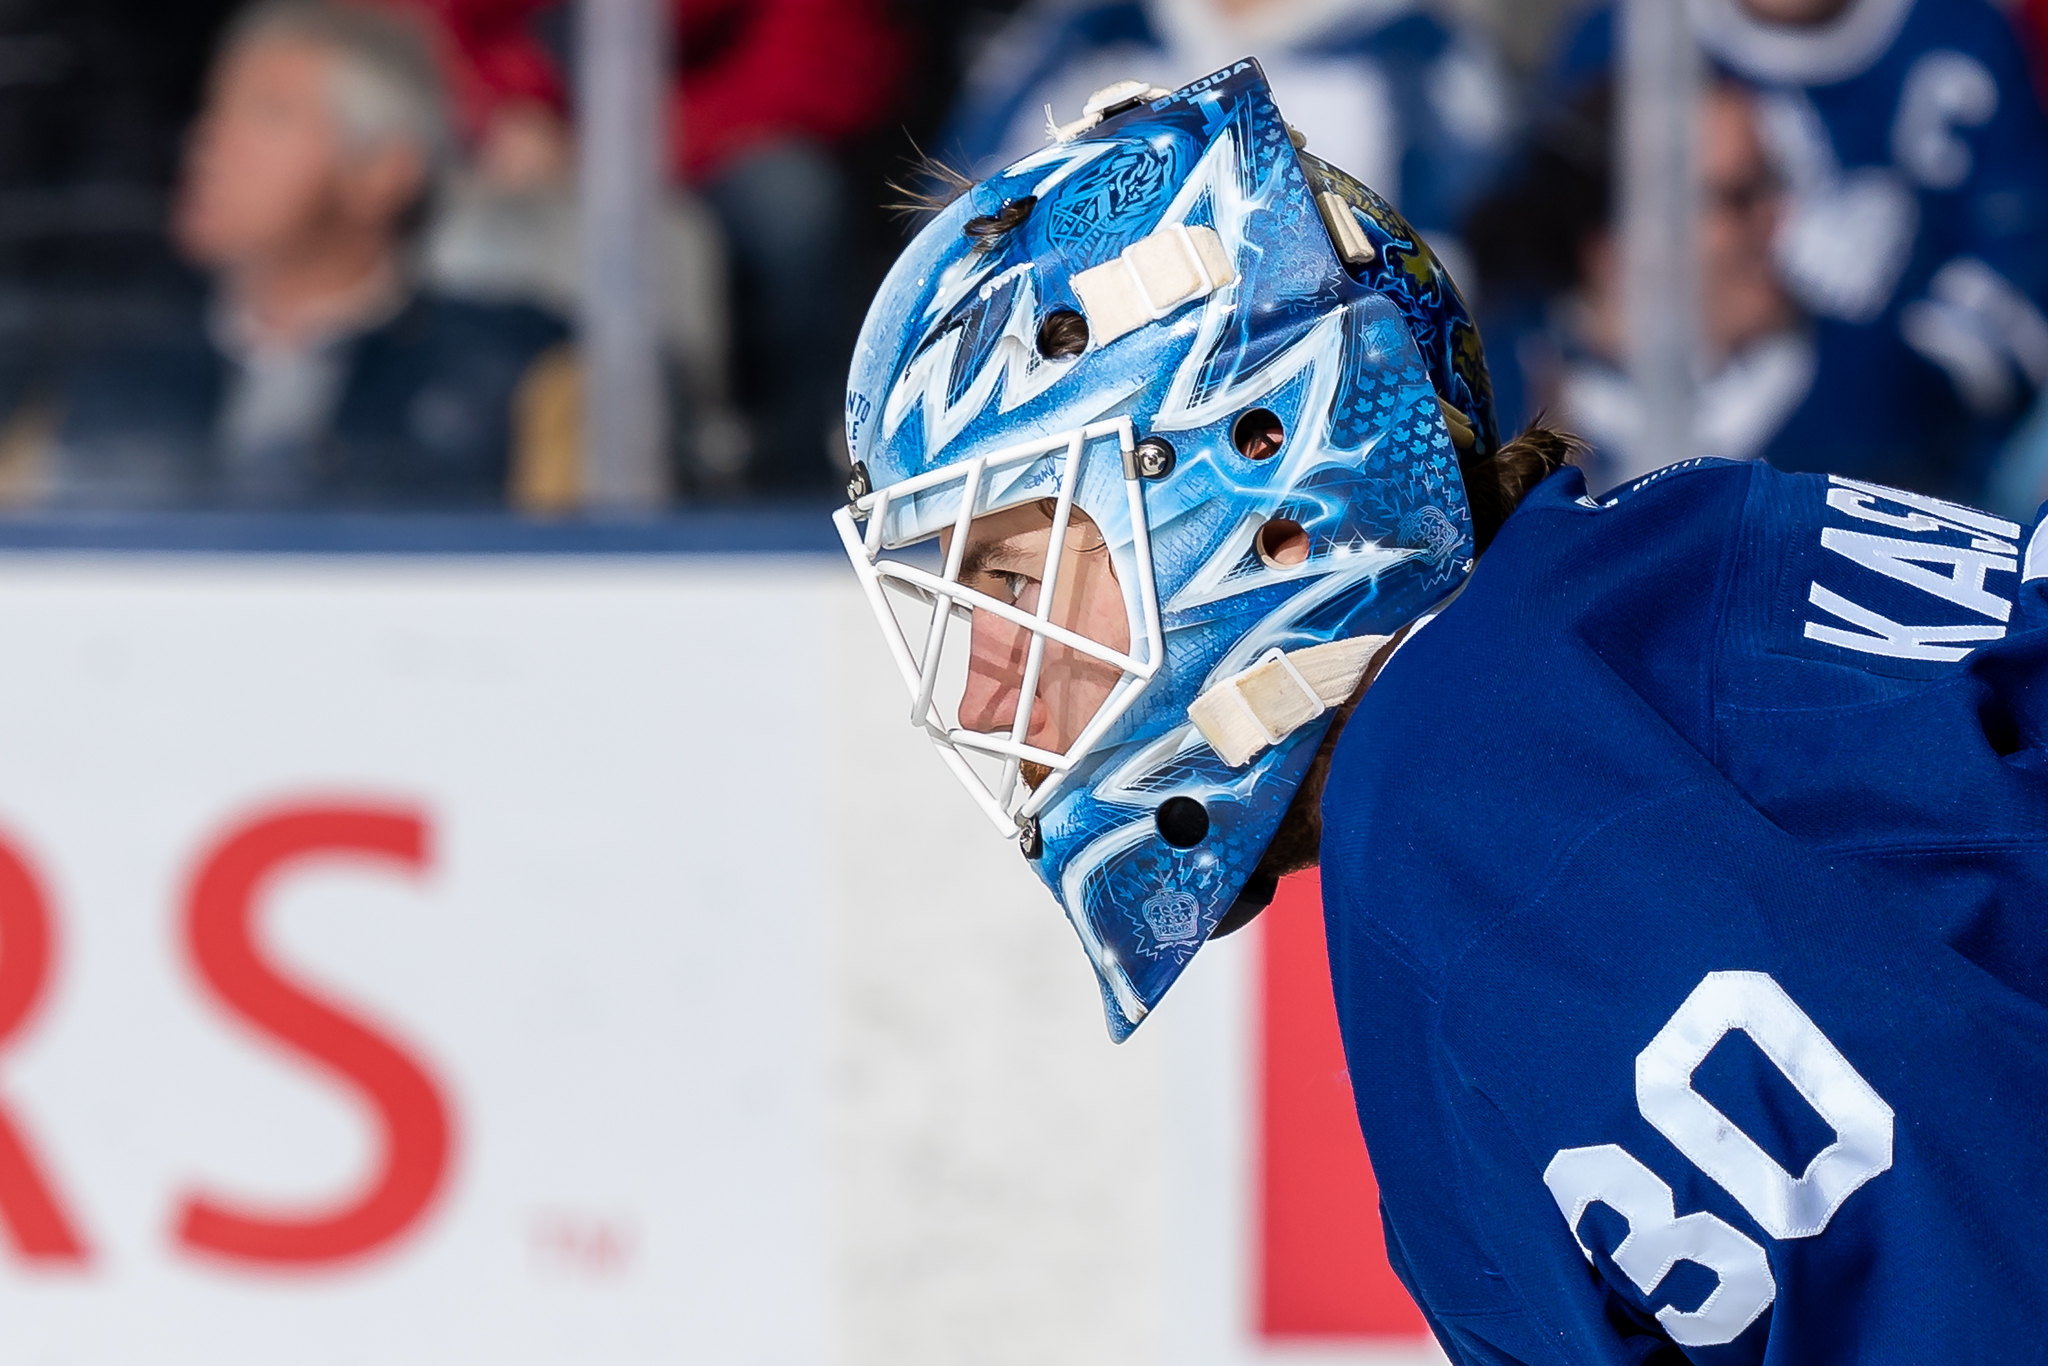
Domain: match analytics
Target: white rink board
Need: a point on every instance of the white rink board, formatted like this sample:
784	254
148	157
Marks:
628	1023
756	1046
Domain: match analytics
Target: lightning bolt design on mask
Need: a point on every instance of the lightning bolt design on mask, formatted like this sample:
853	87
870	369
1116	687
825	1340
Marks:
948	374
1013	365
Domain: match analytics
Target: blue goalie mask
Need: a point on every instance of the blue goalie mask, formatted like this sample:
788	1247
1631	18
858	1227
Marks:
1156	438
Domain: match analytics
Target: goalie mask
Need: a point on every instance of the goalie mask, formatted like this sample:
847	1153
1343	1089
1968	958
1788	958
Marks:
1156	441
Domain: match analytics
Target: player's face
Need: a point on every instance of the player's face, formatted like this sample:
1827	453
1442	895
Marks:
1006	557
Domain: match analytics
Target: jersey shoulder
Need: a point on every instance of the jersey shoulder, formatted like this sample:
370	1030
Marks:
1534	706
1577	893
1697	626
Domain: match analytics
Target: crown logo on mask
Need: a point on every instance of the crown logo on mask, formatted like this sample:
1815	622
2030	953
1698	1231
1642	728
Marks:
1173	917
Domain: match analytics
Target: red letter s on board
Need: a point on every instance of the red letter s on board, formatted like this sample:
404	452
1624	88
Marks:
220	915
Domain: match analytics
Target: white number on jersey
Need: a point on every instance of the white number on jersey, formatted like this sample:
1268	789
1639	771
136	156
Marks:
1658	1240
1784	1205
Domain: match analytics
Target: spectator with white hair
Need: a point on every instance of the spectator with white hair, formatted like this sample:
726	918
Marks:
320	374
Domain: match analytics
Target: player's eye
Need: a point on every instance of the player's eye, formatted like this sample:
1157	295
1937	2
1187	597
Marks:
1007	585
1019	590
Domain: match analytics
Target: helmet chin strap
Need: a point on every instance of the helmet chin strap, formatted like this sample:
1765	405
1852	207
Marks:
1249	712
1256	708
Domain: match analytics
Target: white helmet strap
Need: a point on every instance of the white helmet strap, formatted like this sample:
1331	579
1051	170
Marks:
1249	712
1151	279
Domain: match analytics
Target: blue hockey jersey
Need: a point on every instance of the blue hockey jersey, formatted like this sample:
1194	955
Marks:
1686	886
1916	152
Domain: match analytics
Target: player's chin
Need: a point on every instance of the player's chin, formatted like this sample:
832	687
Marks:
1035	775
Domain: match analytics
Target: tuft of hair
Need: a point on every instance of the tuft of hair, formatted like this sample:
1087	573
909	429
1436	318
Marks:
989	229
1496	484
929	186
387	85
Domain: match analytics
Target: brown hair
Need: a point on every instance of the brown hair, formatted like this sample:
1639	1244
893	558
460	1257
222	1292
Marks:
1496	484
925	187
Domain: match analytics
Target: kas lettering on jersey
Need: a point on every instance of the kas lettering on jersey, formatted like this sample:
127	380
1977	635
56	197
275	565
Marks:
1900	583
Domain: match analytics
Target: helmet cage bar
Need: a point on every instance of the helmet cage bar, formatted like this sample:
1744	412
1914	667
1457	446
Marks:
943	594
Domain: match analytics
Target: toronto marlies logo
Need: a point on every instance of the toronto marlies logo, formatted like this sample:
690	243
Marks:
1173	917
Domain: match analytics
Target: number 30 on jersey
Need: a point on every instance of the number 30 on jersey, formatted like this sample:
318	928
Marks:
1784	1205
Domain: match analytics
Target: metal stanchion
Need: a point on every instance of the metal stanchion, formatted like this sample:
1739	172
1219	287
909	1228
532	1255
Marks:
622	69
1661	81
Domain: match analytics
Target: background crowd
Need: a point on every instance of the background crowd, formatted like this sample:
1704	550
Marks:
323	253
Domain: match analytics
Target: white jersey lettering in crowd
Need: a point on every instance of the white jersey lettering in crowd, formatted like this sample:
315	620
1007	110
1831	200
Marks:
1993	548
1945	92
1848	232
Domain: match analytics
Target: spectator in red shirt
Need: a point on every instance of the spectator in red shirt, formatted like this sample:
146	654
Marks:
765	96
763	71
769	90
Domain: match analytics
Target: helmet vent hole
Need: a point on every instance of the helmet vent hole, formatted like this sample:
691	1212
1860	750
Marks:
1282	544
1063	335
1183	822
989	230
1258	434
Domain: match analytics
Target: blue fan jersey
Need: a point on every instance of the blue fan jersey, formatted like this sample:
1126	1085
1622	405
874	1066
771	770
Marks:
1687	896
1383	88
1916	154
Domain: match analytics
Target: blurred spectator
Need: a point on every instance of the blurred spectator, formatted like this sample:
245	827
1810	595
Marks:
1386	89
1916	231
502	78
318	373
1549	239
767	95
516	237
508	226
2019	482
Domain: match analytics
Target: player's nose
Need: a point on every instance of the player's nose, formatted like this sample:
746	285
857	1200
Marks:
995	674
